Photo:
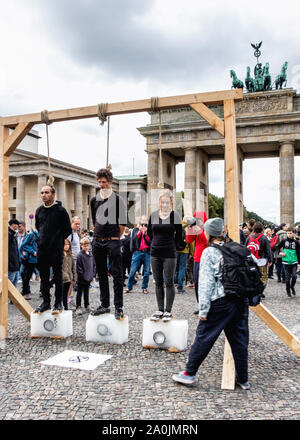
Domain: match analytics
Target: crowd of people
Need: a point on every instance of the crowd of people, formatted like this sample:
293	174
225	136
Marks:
182	252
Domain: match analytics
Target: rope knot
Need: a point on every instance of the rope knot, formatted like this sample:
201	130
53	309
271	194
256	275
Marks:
102	112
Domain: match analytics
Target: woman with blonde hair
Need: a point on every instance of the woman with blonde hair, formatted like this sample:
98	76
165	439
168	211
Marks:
164	231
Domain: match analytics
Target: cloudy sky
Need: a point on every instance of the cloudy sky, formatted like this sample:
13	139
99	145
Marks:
70	53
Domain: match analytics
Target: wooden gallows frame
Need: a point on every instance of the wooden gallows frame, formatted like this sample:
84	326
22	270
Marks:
22	124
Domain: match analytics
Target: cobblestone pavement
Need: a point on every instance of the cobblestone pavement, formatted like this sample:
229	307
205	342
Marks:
136	383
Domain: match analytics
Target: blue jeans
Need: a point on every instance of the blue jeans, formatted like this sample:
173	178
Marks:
280	270
180	269
138	259
13	277
232	317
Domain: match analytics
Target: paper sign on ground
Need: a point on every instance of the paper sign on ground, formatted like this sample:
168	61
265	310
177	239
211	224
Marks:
77	359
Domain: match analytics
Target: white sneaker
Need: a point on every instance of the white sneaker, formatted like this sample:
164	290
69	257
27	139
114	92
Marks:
78	311
87	309
167	316
156	316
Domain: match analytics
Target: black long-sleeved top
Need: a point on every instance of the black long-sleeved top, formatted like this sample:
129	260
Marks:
107	215
164	234
54	226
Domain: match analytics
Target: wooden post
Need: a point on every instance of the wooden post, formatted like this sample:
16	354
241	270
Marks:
19	301
4	186
232	196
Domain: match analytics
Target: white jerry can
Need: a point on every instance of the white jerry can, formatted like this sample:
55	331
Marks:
171	335
47	325
107	329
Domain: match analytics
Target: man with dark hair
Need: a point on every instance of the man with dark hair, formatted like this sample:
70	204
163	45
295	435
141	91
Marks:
109	218
260	247
13	252
53	225
281	233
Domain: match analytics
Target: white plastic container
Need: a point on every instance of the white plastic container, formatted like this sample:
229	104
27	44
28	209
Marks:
107	329
171	335
47	325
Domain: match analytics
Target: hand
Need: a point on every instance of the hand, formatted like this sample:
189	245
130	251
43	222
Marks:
34	254
269	264
202	318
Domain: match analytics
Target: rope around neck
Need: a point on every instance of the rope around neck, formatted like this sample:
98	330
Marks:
45	120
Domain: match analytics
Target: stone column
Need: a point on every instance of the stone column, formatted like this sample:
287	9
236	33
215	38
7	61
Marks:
152	181
61	196
78	205
190	182
240	165
286	169
20	201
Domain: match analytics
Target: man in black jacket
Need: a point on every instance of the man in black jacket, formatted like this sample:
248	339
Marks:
13	252
53	225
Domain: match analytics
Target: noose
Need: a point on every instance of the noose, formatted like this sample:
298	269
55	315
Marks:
45	120
102	115
155	108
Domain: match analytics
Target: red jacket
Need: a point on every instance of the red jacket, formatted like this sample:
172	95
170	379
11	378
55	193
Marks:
201	241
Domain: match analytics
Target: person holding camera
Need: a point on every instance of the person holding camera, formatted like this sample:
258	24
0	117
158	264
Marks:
164	231
195	233
140	246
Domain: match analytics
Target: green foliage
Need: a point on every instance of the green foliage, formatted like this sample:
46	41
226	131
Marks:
215	206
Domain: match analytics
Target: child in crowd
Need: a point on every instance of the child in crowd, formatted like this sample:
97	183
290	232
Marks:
68	273
86	271
290	253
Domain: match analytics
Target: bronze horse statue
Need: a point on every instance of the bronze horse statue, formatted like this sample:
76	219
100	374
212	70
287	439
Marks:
281	78
236	83
249	81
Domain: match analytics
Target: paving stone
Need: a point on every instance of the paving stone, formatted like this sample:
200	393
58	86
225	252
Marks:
134	382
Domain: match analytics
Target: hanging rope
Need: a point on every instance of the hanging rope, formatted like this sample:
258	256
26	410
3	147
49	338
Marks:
102	115
155	108
45	120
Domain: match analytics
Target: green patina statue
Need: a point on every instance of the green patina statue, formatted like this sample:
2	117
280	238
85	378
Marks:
262	79
281	78
236	83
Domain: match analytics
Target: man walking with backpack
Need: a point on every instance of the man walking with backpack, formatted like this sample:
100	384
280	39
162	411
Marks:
223	303
259	246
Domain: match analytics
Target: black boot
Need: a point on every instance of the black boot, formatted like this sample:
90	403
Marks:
100	311
43	307
57	308
119	313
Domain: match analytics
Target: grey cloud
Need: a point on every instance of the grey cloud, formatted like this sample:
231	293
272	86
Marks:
109	36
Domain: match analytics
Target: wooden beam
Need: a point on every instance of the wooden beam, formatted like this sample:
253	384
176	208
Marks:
16	137
210	117
4	185
232	196
19	301
277	327
119	108
228	372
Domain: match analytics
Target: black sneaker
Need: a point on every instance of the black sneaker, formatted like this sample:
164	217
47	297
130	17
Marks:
119	313
100	311
293	291
289	294
42	308
57	308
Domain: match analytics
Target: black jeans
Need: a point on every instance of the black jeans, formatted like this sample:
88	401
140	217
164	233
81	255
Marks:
280	269
44	264
26	275
66	287
111	249
163	272
232	317
290	276
82	288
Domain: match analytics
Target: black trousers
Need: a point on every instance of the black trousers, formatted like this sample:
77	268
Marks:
232	317
290	276
66	287
82	289
163	273
44	264
26	276
111	249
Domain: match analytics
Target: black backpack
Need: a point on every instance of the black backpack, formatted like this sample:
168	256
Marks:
241	277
